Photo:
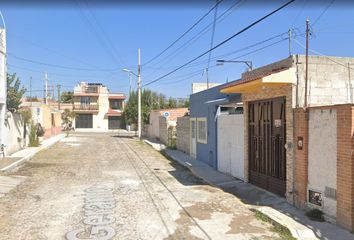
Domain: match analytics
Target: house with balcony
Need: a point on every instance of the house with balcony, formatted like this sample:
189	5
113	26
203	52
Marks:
96	108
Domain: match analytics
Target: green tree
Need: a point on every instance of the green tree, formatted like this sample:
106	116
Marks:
66	97
14	92
130	113
172	103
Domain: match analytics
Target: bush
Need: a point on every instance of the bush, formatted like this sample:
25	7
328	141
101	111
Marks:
33	139
40	130
315	215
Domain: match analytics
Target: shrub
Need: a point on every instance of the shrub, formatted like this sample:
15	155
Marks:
315	215
33	139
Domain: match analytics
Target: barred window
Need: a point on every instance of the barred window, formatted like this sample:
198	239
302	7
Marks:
202	130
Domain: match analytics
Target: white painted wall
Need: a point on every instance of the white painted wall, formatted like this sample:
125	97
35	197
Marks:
14	131
323	155
2	85
230	144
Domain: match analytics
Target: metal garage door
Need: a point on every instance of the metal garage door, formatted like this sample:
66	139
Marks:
267	157
114	122
83	121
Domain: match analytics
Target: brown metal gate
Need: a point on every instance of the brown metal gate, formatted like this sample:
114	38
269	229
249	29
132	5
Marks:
267	156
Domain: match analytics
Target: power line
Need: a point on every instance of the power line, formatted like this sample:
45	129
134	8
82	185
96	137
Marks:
94	31
104	33
185	33
223	42
54	73
241	49
323	12
323	55
52	50
197	36
61	66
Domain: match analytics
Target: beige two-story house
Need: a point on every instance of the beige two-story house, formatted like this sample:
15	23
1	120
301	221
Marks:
96	108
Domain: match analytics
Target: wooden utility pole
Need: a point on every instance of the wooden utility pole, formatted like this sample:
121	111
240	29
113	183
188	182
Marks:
58	86
307	61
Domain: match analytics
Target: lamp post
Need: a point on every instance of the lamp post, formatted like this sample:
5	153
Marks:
139	91
248	63
130	78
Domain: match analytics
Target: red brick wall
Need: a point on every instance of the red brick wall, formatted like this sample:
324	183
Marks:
345	162
345	166
51	132
301	165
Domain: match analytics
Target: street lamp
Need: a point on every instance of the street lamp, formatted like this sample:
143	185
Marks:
139	91
130	78
248	63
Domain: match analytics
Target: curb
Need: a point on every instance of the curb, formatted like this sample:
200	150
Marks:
16	164
297	230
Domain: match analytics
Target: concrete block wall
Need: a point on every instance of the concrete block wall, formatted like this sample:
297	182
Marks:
328	80
163	132
183	134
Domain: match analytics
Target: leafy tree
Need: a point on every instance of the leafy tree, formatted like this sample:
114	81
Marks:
162	101
131	109
172	103
68	116
150	100
32	99
14	92
66	97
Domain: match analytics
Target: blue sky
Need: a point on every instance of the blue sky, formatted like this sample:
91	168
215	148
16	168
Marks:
93	42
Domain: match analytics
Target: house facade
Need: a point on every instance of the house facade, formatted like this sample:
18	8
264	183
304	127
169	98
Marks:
47	116
301	150
205	107
96	108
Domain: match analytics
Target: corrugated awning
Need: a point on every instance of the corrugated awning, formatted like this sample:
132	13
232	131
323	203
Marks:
273	79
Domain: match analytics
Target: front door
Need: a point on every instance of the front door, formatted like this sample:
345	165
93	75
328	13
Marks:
113	122
267	156
193	145
83	121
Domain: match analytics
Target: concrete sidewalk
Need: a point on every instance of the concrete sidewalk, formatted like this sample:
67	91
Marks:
17	158
275	207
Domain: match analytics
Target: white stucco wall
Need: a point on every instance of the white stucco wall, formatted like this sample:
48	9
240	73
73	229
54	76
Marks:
2	85
14	130
323	155
230	139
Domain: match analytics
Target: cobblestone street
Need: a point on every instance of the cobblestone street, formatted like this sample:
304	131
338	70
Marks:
100	186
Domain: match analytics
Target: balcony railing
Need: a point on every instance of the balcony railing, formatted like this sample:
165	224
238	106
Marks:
85	107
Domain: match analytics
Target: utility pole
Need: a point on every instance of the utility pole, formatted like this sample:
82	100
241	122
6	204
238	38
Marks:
139	96
31	90
207	77
58	86
130	83
307	60
289	35
46	87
